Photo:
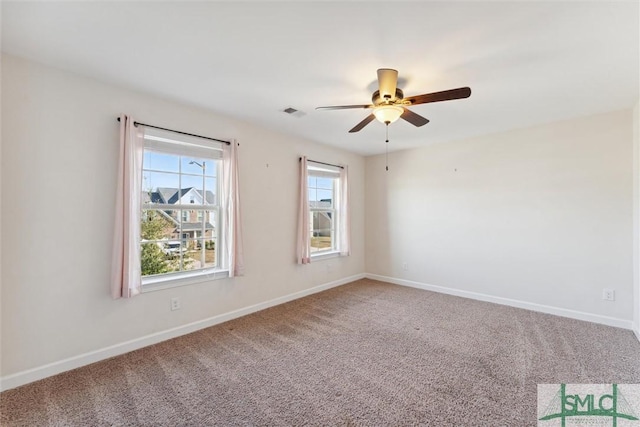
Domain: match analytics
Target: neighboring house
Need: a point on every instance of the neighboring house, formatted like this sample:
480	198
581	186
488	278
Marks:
321	222
184	224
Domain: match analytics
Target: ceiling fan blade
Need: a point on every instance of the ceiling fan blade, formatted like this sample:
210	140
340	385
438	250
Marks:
387	82
445	95
413	118
363	123
344	107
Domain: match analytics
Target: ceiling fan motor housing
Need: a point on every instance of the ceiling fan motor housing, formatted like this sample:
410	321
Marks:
377	100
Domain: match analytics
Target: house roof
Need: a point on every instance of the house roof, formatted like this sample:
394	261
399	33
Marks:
168	195
320	203
189	226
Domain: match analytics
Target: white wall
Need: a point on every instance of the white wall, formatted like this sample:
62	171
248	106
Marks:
540	215
58	188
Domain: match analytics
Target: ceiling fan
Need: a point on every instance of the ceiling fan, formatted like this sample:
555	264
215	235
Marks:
389	103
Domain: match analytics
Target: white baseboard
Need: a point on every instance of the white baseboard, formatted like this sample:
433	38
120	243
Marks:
564	312
31	375
636	331
35	374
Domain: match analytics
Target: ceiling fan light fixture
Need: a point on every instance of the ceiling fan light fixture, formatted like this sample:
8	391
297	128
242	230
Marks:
388	113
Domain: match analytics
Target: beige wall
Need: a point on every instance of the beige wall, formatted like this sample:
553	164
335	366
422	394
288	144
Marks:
636	218
0	209
58	188
541	215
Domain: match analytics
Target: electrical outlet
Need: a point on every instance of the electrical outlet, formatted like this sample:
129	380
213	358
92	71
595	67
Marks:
175	304
405	266
608	294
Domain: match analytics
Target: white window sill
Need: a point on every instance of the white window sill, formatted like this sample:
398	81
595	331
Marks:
318	256
150	284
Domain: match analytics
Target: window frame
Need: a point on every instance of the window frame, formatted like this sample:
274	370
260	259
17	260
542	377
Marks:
183	147
326	172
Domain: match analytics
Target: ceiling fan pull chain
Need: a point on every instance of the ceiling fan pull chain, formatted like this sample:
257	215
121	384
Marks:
386	149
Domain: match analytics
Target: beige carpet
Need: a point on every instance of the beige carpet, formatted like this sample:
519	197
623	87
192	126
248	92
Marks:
367	353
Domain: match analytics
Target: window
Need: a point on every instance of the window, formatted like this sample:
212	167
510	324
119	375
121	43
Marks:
323	184
180	219
148	220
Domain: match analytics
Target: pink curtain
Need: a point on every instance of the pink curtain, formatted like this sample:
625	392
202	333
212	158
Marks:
303	246
344	221
231	219
125	268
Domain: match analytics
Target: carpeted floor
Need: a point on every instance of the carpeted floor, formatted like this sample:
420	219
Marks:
367	353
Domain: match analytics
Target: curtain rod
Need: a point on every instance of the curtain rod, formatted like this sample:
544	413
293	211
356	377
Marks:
322	163
181	133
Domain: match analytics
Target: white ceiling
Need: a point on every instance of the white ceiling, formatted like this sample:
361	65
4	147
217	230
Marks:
526	62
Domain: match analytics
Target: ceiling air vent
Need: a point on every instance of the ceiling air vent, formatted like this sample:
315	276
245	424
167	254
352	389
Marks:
293	112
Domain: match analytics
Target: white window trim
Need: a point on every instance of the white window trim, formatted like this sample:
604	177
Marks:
325	255
188	277
183	278
331	172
